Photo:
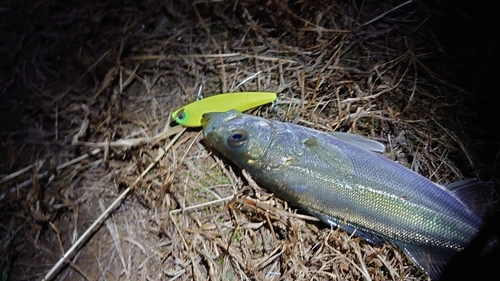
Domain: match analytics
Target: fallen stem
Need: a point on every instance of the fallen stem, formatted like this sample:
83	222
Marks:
97	223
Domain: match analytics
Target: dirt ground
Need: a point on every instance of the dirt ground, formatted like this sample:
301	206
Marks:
97	183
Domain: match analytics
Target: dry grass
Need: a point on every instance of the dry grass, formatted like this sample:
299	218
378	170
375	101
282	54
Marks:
90	86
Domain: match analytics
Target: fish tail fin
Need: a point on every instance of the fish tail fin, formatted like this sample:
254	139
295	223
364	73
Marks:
477	195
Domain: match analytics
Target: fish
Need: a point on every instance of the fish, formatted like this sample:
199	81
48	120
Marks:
345	181
191	114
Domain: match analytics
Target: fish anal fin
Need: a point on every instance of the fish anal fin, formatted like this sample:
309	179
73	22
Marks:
431	261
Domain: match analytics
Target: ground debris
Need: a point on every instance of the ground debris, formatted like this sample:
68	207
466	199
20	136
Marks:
91	86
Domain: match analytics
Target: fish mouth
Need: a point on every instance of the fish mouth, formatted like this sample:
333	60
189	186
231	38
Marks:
206	117
212	120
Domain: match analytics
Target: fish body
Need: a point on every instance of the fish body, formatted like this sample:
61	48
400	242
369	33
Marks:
191	114
342	181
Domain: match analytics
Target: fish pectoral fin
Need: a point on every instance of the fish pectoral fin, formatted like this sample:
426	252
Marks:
333	157
431	261
311	142
359	141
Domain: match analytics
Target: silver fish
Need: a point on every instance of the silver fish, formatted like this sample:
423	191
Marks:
339	178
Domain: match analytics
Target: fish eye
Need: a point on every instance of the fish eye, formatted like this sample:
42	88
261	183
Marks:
237	138
181	116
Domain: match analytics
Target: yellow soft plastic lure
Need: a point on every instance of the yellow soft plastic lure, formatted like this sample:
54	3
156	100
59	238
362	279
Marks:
191	114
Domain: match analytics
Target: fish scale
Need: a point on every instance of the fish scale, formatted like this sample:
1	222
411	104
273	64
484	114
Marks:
345	184
360	206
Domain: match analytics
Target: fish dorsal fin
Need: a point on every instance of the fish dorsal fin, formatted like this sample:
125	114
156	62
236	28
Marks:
476	195
359	141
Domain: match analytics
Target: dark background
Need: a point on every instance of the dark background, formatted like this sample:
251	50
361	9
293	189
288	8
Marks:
469	33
